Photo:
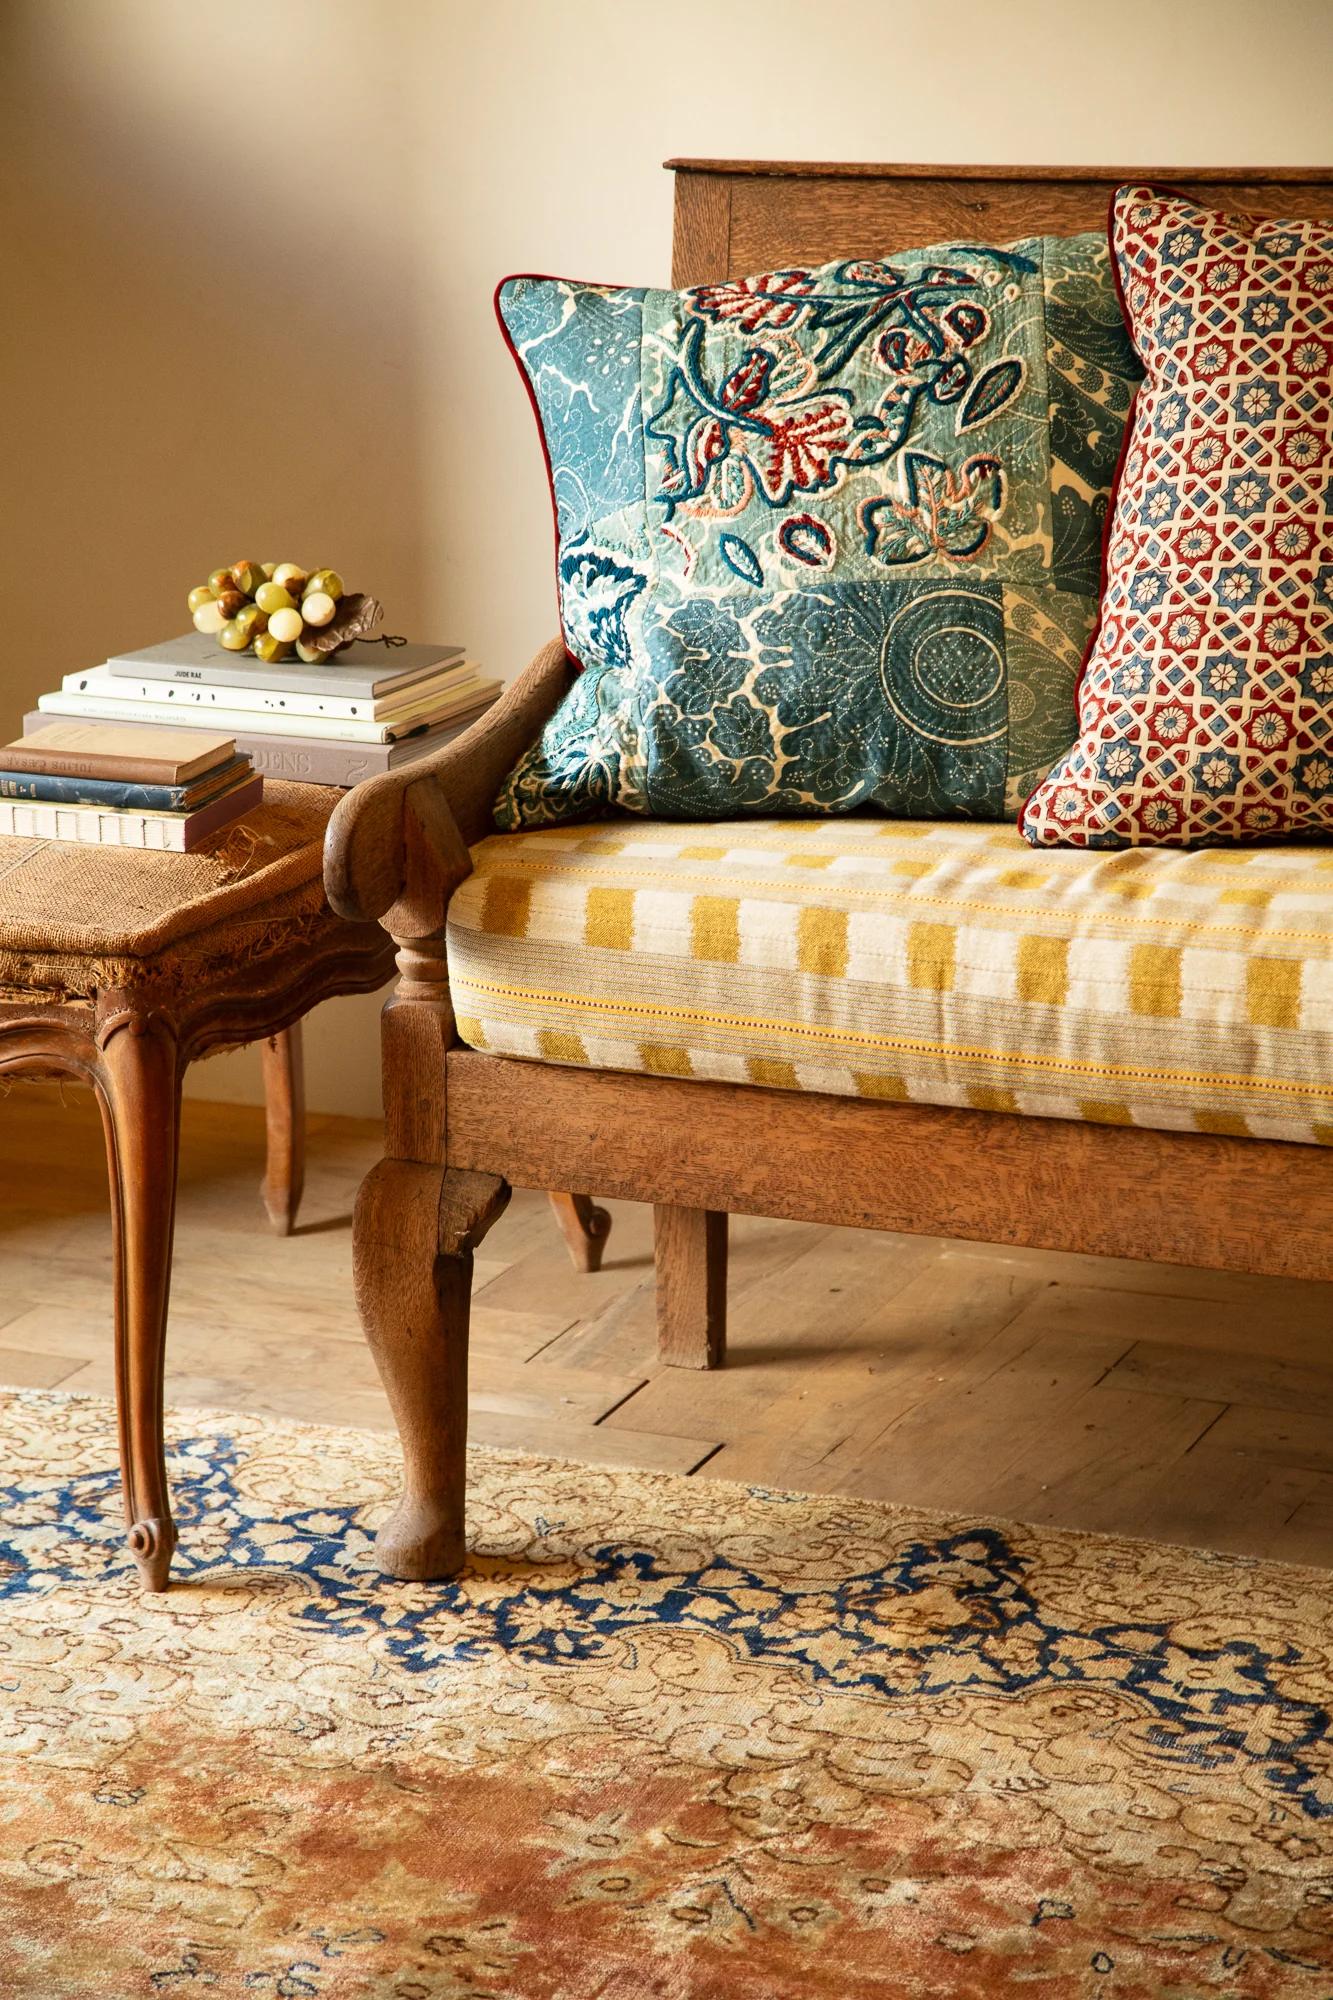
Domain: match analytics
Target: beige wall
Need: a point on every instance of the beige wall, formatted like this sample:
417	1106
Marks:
250	251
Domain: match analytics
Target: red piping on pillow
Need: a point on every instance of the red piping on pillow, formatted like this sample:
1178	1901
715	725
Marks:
543	278
1116	477
526	380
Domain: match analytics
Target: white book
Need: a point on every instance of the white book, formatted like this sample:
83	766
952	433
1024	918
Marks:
251	722
106	685
121	826
364	668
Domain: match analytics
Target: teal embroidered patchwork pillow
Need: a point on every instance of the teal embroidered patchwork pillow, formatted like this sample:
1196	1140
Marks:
826	538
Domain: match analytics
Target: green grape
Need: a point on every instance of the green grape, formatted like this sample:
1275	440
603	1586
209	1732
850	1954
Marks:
328	581
219	581
268	568
252	621
307	653
291	576
209	618
201	594
268	649
317	607
285	624
272	597
247	577
233	636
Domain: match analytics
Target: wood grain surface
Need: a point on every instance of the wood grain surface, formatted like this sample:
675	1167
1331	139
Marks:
735	219
1179	1404
1110	1190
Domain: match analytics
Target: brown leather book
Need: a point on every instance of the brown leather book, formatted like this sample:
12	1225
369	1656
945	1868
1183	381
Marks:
136	752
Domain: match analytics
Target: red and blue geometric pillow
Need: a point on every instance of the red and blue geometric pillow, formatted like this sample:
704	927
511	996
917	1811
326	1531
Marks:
1206	705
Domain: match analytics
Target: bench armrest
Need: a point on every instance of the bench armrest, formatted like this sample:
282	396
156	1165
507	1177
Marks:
407	832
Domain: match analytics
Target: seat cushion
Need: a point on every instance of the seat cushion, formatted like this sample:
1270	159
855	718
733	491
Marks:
938	961
74	919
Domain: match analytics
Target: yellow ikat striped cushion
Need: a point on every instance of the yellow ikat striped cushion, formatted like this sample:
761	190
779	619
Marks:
936	961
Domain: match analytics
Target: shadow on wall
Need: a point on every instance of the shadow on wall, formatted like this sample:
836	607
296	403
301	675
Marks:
210	328
209	344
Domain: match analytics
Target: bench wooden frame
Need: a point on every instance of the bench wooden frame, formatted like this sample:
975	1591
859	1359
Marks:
462	1127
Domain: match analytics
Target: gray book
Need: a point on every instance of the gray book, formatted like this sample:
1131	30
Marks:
363	670
311	760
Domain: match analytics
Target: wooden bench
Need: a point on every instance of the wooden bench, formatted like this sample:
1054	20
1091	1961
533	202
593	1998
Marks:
462	1126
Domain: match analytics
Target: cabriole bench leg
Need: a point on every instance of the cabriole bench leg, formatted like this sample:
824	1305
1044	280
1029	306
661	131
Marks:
690	1248
413	1235
139	1083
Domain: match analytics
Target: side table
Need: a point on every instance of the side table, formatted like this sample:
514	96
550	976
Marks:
120	968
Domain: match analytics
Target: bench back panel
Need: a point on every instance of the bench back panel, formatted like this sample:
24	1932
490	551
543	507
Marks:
735	218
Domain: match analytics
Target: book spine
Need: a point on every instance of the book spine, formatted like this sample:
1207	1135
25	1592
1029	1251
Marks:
311	763
230	670
34	820
304	761
195	700
234	722
93	826
77	763
92	791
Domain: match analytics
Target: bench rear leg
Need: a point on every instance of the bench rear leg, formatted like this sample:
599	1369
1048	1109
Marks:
585	1228
690	1246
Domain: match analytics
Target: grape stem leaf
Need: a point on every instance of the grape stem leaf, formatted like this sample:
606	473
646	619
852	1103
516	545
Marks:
355	618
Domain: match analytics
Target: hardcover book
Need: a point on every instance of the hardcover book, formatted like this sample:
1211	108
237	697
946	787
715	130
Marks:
361	669
75	791
262	699
237	721
313	760
122	749
96	826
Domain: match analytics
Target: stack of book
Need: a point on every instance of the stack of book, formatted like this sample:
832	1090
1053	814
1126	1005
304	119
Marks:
119	785
330	723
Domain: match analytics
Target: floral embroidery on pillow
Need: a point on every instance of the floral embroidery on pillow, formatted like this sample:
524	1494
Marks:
828	537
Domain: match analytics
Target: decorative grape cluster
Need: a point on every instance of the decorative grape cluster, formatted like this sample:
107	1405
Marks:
271	608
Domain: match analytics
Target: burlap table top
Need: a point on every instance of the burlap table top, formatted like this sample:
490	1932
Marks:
61	903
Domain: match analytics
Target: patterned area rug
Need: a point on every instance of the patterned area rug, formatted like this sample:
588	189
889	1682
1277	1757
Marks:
666	1738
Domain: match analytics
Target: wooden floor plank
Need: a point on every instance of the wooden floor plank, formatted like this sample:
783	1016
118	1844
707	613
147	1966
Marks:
1092	1467
1113	1396
779	1329
1166	1368
1279	1437
844	1379
1211	1498
1290	1325
28	1368
1307	1533
961	1437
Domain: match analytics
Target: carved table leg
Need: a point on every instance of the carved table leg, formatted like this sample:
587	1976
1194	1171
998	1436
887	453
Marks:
690	1246
284	1113
415	1229
139	1092
585	1228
